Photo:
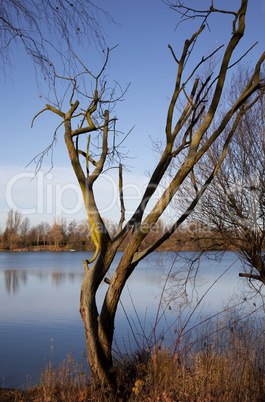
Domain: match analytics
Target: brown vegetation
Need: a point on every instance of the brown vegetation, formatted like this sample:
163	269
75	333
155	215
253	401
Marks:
226	366
62	236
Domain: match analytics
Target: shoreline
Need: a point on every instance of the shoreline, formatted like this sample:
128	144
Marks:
50	248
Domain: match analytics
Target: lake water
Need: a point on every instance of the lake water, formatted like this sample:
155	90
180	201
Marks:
39	306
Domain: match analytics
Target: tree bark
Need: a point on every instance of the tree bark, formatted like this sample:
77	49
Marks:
98	344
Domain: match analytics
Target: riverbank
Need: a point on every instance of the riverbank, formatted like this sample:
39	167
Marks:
178	246
37	249
210	372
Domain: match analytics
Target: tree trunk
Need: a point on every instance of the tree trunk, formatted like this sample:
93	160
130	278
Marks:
98	344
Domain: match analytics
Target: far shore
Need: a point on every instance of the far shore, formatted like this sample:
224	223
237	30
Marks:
41	248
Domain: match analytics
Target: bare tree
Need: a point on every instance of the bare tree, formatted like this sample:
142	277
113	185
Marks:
17	229
24	231
234	206
189	135
48	28
43	230
13	221
55	235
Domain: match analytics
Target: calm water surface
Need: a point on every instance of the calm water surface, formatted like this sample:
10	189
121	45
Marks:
39	306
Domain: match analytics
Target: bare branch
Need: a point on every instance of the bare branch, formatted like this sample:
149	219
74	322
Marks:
177	90
47	28
122	218
88	157
173	54
48	107
99	165
156	212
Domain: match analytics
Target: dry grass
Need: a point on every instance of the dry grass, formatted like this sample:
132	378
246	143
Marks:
228	365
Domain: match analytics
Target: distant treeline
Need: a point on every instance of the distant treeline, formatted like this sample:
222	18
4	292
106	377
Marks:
69	234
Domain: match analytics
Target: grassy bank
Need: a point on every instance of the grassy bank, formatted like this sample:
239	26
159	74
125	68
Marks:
225	364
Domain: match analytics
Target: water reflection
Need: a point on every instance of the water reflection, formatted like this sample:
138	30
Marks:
56	270
13	279
39	300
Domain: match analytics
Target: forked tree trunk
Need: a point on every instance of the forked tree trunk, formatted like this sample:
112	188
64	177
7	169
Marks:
97	341
99	328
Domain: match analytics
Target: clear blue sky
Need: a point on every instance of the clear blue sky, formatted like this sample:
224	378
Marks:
143	59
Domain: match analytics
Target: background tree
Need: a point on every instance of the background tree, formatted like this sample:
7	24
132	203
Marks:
73	235
11	235
234	206
56	235
43	230
93	146
24	231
